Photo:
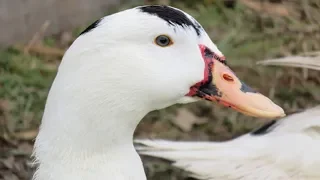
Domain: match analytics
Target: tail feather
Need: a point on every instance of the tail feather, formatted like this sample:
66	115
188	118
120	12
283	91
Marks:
295	61
249	157
175	151
148	144
209	161
172	150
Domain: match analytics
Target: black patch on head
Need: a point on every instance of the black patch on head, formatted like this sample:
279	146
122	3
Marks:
171	16
264	129
92	26
207	88
244	88
209	54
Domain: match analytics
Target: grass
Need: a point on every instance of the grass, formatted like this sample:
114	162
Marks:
24	81
244	35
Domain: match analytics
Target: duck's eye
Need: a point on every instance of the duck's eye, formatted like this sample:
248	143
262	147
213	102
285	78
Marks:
163	41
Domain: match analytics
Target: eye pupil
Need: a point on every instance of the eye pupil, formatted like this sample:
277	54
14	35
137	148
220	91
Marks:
163	40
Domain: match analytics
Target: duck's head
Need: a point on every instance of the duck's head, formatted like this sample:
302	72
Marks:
158	56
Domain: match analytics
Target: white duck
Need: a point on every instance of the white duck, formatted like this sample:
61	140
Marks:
284	149
119	69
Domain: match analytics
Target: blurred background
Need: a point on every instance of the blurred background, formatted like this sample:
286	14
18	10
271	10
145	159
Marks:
35	34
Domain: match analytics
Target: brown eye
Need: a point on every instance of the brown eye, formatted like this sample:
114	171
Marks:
163	41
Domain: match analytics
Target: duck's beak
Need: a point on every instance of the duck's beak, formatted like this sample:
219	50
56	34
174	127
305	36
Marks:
220	84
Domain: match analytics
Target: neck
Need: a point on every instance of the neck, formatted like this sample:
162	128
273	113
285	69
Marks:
86	135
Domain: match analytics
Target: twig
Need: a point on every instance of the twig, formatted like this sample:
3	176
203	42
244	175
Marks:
26	135
38	48
37	36
266	7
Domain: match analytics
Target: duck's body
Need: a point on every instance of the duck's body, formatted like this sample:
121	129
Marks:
119	69
285	149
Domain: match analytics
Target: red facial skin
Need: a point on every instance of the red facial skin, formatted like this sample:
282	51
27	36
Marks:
220	84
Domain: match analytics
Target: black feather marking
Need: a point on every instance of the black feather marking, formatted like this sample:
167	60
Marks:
172	16
264	129
245	88
91	27
208	53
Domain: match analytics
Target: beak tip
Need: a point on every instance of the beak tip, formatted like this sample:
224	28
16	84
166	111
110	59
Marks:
271	112
278	111
281	111
282	115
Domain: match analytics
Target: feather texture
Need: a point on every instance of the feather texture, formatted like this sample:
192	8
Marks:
310	61
289	150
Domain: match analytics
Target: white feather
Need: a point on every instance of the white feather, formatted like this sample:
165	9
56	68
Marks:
290	150
312	61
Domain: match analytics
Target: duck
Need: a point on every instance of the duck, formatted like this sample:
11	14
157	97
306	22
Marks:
119	69
287	148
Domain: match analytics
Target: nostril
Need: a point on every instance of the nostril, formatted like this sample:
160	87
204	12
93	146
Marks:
227	77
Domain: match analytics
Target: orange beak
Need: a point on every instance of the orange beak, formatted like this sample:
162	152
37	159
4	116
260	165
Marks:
223	86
